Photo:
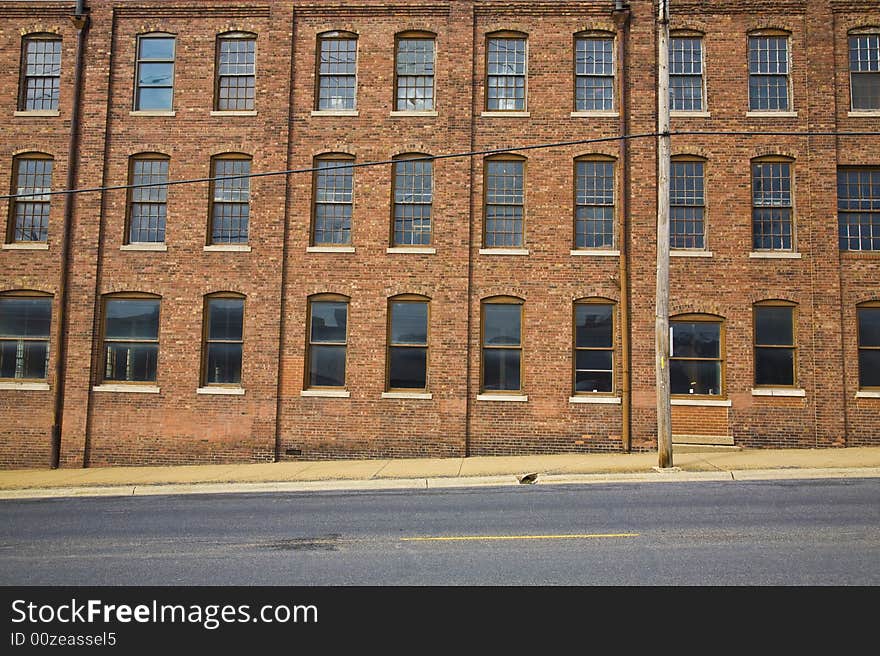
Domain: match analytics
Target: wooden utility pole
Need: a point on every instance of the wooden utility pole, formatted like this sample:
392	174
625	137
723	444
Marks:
661	330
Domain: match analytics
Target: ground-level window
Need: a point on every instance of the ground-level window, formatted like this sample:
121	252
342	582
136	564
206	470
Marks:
502	345
774	345
593	347
131	339
869	345
695	363
224	319
407	343
25	321
328	341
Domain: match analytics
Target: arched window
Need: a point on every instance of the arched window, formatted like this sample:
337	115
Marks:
772	204
327	341
506	71
869	345
337	71
775	344
501	369
230	199
223	339
504	204
29	212
594	72
408	343
131	338
686	86
148	205
25	324
333	199
696	359
413	198
40	75
235	77
414	72
154	72
687	203
593	346
864	68
594	202
769	71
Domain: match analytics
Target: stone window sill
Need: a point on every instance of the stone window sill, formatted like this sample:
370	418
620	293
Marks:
152	112
771	114
234	112
15	385
36	113
426	396
511	114
774	255
335	112
595	114
223	391
504	251
330	249
515	398
868	394
694	253
715	403
227	248
405	113
414	250
157	247
856	113
131	389
596	253
685	114
326	393
584	398
778	391
26	246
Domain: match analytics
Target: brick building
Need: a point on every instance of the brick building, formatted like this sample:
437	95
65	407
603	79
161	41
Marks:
432	305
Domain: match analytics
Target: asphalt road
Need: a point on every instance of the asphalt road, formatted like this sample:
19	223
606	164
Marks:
818	532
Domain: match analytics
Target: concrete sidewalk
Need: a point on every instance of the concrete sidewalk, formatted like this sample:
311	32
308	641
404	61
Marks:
690	465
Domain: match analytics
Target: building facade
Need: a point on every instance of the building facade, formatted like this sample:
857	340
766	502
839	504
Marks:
411	228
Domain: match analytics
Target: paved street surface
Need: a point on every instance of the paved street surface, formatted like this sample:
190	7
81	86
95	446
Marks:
783	532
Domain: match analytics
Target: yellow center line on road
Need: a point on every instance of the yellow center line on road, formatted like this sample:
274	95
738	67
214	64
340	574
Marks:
576	536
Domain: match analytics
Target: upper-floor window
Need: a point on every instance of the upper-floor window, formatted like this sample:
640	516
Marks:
413	201
224	320
414	73
594	204
769	72
858	209
154	76
407	343
502	345
337	71
864	70
40	74
593	73
869	345
131	339
506	73
771	206
29	212
696	356
230	199
235	84
504	203
333	200
328	341
775	344
686	74
147	205
25	321
687	205
593	347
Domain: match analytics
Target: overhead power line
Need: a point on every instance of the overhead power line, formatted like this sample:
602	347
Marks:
470	153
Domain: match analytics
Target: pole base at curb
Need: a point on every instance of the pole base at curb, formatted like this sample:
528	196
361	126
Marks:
667	470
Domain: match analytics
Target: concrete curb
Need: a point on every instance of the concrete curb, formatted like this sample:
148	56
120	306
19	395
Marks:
392	484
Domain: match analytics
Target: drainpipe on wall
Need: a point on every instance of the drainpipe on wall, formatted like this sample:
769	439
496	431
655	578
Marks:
81	21
621	16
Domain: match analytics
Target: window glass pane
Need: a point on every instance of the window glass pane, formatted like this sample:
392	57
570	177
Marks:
131	319
156	48
23	359
773	326
695	377
699	339
225	318
25	317
155	75
407	368
501	369
131	362
409	323
865	90
593	381
593	325
774	366
502	324
327	366
224	364
869	368
593	360
154	98
869	326
329	321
